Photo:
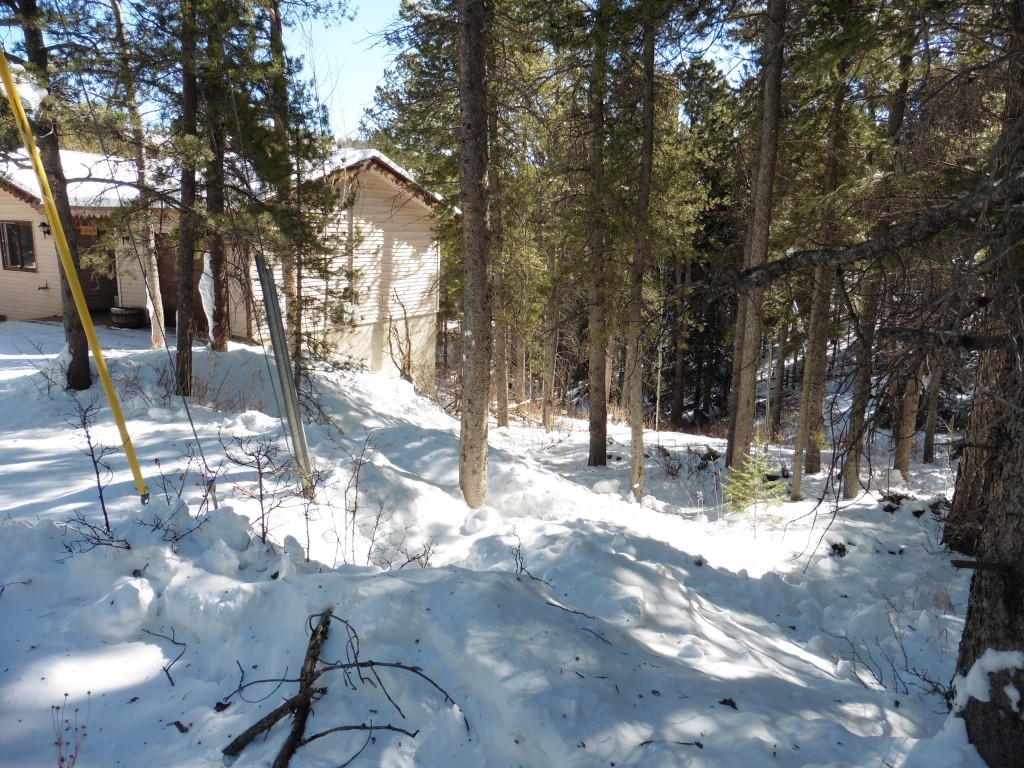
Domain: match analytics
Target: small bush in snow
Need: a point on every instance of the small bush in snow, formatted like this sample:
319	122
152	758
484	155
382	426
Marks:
748	486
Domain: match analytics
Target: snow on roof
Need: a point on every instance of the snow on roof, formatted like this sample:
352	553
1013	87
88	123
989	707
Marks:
94	181
350	158
97	181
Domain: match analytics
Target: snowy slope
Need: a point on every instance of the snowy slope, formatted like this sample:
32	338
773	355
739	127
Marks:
561	625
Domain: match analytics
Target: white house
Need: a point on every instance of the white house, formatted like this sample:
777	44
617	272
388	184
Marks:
392	257
29	280
388	265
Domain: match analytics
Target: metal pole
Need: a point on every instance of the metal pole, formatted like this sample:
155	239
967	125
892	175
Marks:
284	372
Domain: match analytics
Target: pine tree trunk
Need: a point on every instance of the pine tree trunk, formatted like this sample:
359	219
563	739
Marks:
641	255
863	345
138	140
47	139
995	619
963	527
747	346
501	372
520	366
683	276
597	330
187	225
853	446
215	95
906	426
551	327
277	98
473	37
809	422
779	389
937	363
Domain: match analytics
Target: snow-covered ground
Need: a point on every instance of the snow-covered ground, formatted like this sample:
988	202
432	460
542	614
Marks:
561	625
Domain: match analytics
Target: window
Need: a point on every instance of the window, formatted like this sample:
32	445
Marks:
17	247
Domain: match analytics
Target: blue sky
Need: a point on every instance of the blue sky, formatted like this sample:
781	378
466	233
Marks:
347	61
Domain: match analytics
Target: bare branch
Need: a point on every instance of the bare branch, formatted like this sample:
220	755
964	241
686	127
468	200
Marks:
970	206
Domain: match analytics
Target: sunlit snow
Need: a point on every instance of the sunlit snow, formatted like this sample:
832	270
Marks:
569	625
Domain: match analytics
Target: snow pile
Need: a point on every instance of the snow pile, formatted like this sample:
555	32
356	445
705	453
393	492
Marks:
561	625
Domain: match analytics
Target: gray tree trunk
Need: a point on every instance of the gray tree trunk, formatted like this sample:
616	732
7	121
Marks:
216	96
138	140
552	323
683	275
863	346
473	38
519	368
48	142
188	226
906	426
963	527
931	424
597	330
779	389
641	255
747	346
995	621
809	423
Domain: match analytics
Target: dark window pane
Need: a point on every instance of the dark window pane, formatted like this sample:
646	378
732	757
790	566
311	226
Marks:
28	250
10	246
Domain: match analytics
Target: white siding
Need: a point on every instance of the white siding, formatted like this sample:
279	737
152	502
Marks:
26	295
397	263
131	285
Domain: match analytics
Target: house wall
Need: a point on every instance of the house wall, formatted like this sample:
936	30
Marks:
131	284
396	260
30	295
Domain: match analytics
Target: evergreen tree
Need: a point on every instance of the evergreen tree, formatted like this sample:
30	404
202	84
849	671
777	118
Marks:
32	20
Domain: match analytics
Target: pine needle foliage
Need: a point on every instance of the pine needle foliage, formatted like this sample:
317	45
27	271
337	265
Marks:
750	486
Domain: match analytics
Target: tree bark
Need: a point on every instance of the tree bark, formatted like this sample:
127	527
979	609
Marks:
863	347
188	226
906	425
138	140
552	323
217	98
963	527
995	619
641	255
597	330
747	346
519	369
47	138
810	423
497	230
864	324
779	390
683	275
931	423
474	34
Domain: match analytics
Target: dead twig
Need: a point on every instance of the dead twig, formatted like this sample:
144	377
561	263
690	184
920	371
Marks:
298	704
313	669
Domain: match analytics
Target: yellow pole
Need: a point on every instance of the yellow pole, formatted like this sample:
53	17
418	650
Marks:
69	269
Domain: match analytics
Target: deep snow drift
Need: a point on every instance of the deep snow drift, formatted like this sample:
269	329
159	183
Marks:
568	626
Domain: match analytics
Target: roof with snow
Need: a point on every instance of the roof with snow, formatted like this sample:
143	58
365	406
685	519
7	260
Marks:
352	160
97	181
94	181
